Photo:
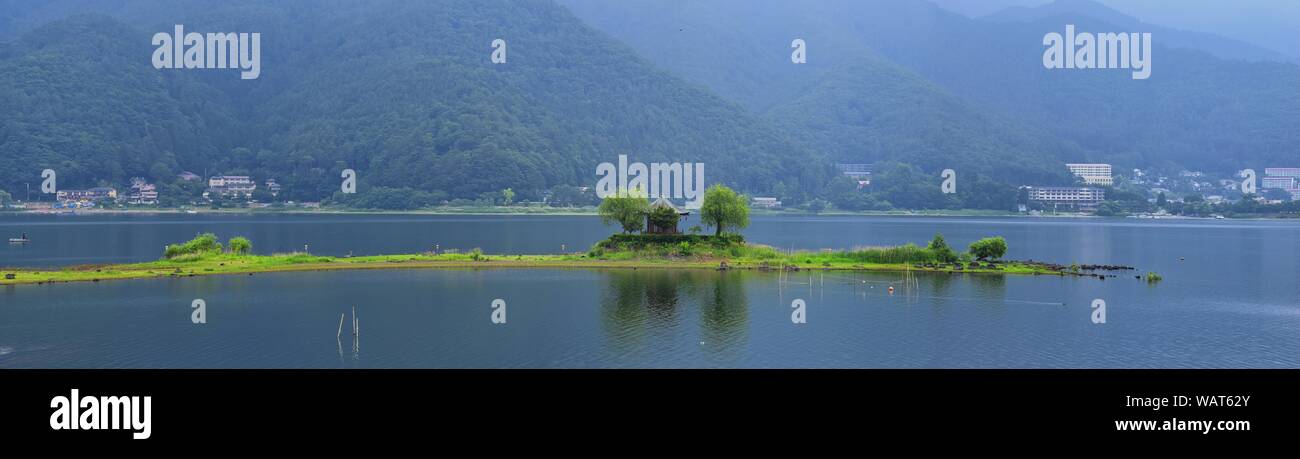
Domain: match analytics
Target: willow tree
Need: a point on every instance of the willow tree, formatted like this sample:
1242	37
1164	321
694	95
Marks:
724	209
627	208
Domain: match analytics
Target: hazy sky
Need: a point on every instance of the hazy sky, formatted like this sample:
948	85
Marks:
1273	24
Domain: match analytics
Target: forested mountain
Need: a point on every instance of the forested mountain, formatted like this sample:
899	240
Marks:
1221	47
402	91
869	110
1196	111
73	101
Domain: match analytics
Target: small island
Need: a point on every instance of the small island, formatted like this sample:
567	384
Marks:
650	239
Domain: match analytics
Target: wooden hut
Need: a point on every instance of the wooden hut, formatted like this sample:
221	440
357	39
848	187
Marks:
651	228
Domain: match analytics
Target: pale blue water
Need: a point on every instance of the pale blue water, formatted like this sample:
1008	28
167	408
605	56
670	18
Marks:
1232	301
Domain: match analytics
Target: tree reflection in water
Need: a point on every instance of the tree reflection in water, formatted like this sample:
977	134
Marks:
645	308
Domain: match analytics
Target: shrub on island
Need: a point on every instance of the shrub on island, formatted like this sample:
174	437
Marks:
202	244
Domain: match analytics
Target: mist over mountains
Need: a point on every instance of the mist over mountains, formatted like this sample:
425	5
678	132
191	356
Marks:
404	92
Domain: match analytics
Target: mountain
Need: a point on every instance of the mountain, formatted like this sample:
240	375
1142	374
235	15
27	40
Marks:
905	118
1197	111
403	92
1221	47
849	100
71	105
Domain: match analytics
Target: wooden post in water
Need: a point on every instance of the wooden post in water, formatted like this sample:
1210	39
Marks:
340	333
354	321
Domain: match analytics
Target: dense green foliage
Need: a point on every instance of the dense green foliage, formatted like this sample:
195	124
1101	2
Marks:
240	245
663	217
939	247
989	248
401	91
724	209
627	209
907	81
205	243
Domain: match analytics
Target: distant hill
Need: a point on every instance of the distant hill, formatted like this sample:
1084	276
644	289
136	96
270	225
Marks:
1197	110
401	91
851	100
1221	47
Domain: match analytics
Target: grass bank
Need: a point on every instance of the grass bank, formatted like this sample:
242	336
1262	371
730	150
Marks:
618	252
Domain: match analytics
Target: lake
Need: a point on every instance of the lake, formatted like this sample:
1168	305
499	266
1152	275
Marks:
1229	299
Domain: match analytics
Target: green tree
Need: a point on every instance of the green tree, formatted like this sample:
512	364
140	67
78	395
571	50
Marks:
941	249
201	244
1161	201
664	217
507	196
1277	194
240	245
723	209
1109	209
989	248
5	199
626	208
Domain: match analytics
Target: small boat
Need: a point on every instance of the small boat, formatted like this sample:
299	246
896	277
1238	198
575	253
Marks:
19	240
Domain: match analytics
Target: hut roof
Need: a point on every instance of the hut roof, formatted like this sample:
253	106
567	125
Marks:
664	202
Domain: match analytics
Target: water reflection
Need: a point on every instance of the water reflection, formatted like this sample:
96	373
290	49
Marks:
639	303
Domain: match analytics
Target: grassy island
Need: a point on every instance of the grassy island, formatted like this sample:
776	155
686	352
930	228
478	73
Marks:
205	256
660	245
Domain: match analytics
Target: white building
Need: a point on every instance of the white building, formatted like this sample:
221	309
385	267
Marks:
767	203
142	192
1285	183
1093	174
230	186
1282	172
1066	195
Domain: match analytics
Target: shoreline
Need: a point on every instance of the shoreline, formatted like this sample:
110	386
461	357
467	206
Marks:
227	264
591	211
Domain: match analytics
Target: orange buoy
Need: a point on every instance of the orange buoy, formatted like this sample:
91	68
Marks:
891	290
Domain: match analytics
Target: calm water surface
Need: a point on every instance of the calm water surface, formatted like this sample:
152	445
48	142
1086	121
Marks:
1230	299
